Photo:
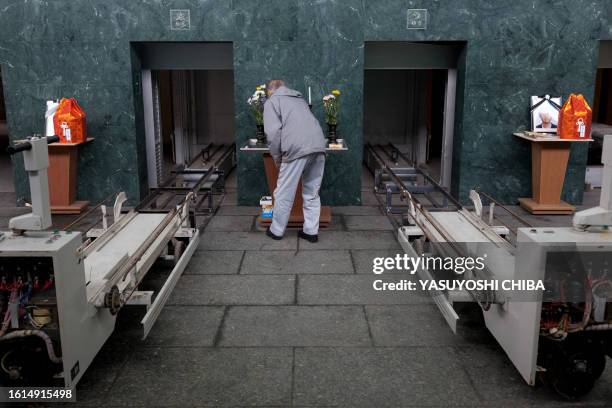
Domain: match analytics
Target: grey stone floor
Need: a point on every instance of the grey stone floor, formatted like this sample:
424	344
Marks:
256	322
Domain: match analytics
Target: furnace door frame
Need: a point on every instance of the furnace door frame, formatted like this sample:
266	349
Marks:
448	130
407	55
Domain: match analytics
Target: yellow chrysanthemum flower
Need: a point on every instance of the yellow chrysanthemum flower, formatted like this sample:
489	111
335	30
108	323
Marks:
336	92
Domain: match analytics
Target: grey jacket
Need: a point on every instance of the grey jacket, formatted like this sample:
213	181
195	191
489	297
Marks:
291	129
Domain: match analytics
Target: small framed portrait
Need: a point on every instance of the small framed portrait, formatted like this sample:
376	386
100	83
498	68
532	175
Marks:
545	113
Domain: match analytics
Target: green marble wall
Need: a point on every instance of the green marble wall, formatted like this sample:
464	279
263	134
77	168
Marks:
515	48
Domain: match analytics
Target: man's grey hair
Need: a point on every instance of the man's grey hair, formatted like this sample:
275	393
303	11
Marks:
273	85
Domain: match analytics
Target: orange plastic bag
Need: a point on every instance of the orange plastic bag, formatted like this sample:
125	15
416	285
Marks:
575	118
69	122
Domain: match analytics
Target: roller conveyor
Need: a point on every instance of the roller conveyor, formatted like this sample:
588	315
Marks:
391	167
204	175
101	261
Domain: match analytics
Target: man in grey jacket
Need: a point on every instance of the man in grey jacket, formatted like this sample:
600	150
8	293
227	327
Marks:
297	145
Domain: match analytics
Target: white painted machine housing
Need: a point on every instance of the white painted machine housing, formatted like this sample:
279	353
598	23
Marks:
114	263
83	276
515	324
83	327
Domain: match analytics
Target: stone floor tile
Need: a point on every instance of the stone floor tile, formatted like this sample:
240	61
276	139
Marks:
256	241
354	290
368	223
410	325
186	326
295	326
205	377
381	377
214	262
353	240
233	290
302	262
231	223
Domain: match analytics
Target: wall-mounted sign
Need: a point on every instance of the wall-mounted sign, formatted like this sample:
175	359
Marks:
180	20
416	19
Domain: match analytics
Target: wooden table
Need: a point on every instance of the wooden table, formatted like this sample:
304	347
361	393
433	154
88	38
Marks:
549	157
296	218
63	178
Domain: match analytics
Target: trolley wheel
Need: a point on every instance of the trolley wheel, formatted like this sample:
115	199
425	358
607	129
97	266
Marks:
26	362
112	300
573	368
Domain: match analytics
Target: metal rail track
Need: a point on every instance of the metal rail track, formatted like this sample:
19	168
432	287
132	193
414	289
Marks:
203	177
420	215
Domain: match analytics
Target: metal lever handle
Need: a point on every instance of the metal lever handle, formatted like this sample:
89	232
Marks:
21	147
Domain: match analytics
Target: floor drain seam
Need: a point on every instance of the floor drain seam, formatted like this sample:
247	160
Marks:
219	333
365	315
241	262
351	256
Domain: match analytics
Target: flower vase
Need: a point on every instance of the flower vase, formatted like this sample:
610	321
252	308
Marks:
261	135
331	132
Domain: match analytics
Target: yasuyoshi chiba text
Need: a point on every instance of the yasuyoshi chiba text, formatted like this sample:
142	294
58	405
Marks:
460	284
459	265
